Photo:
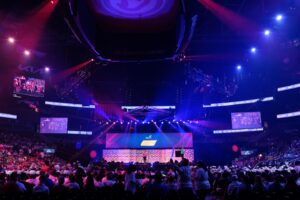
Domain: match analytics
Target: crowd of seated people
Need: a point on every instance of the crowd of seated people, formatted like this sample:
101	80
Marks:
25	173
275	156
20	153
173	180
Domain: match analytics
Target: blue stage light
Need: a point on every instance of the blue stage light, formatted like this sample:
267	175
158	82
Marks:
253	50
279	17
267	32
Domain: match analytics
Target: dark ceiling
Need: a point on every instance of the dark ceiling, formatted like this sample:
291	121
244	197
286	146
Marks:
215	48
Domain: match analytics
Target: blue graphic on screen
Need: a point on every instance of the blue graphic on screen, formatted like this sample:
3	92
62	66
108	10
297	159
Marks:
149	140
54	125
245	120
133	9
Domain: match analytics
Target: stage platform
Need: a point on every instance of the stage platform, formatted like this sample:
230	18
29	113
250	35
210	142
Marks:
153	155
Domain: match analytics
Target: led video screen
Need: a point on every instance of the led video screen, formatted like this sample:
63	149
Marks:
149	140
245	120
54	125
29	86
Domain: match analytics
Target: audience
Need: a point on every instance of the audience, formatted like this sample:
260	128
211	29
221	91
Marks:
27	173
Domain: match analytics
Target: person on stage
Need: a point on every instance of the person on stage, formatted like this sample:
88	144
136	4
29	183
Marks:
145	156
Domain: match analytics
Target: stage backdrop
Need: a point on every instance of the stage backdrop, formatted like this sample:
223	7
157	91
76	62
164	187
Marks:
149	140
153	155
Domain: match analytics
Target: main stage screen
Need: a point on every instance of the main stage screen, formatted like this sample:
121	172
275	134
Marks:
149	140
244	120
54	125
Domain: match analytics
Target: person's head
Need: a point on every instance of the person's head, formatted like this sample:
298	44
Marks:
47	163
185	162
42	179
202	165
258	179
72	178
90	180
234	178
23	176
61	180
158	177
13	177
131	168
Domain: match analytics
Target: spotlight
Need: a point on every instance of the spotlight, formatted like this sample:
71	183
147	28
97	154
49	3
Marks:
239	67
11	40
267	32
52	2
253	50
47	69
27	53
279	17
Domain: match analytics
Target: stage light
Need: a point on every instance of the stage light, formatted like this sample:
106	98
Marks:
290	87
253	50
74	105
267	32
233	103
52	2
8	116
238	130
47	69
287	115
279	17
238	67
11	40
26	52
93	154
235	148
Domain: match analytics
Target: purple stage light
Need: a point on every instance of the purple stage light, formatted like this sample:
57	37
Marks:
11	40
47	69
26	52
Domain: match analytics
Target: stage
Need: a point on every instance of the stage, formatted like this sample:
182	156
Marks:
153	155
159	147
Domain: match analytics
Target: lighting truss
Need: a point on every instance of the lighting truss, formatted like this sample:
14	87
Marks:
238	130
73	105
234	103
287	115
290	87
